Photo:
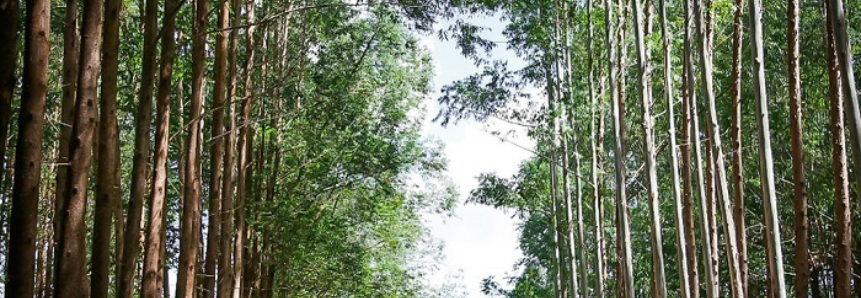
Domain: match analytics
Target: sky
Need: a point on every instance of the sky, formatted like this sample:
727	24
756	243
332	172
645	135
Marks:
479	241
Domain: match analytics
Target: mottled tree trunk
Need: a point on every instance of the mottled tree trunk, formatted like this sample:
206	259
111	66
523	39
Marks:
28	151
735	131
189	232
802	270
108	168
155	229
71	278
688	95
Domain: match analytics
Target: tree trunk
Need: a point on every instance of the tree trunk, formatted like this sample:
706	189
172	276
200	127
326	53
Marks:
70	88
769	196
688	97
802	270
737	167
684	274
598	204
9	54
108	168
215	153
71	256
706	69
644	80
155	230
141	155
244	158
839	55
28	151
225	269
189	232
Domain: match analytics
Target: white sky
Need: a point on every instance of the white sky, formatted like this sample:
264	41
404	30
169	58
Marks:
479	241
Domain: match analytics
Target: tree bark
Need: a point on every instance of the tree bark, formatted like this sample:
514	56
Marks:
141	155
684	274
244	158
842	80
644	85
596	167
67	106
9	54
189	232
225	269
769	196
155	230
108	168
688	91
706	69
216	152
802	270
28	151
71	256
735	128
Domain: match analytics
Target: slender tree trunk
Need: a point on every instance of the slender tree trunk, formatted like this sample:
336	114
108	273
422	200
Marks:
688	97
71	257
769	196
9	54
108	168
28	151
155	230
802	270
737	168
684	274
70	88
245	148
705	47
190	234
624	243
711	275
598	204
658	278
225	269
836	20
216	151
141	155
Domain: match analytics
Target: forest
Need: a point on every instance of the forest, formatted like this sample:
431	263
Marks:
245	148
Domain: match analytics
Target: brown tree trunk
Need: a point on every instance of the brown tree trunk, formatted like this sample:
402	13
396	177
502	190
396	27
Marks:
189	232
70	88
215	152
225	269
688	90
802	270
141	155
837	77
155	230
244	158
9	54
108	167
28	151
71	256
735	129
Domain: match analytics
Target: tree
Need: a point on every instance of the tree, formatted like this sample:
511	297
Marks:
108	167
8	53
71	260
836	19
706	69
28	151
155	229
799	177
769	196
141	155
191	189
735	129
684	271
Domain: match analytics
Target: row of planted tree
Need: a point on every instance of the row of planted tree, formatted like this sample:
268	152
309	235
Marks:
737	113
288	175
